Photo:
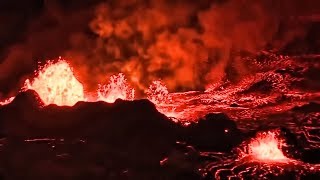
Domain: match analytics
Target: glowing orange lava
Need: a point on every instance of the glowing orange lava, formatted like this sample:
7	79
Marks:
56	84
117	88
266	147
6	101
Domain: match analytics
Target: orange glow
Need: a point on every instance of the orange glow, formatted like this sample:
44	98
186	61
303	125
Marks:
266	147
56	84
6	101
117	88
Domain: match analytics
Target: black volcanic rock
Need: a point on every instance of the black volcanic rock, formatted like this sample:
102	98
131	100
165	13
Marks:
293	148
234	105
307	108
182	162
28	99
311	156
216	132
262	86
135	128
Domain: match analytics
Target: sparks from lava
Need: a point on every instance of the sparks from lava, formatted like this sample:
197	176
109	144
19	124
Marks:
117	88
158	92
56	84
266	147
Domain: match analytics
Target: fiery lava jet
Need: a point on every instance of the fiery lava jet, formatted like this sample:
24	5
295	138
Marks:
158	92
266	147
117	88
56	84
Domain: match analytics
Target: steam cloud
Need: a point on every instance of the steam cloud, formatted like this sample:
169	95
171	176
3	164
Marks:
186	43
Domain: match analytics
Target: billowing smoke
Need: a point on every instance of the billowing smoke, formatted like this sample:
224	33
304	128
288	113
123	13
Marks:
186	43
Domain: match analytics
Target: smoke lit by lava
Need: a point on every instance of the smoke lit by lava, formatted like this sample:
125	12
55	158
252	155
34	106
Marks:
189	58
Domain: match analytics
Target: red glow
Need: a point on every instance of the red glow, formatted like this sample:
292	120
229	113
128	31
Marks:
56	84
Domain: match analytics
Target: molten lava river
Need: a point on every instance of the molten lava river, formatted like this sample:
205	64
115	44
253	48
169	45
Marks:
276	132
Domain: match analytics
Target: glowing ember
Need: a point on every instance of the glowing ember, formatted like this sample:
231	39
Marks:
56	84
6	101
158	92
267	147
117	88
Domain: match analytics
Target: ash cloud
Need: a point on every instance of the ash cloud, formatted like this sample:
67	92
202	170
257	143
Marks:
187	44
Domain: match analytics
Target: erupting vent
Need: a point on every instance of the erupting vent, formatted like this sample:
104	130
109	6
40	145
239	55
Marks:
266	147
117	88
56	84
208	89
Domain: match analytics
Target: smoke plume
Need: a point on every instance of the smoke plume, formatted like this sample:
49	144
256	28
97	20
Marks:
186	43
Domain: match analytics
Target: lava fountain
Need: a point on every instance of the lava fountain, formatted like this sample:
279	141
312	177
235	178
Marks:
266	147
117	88
56	84
158	92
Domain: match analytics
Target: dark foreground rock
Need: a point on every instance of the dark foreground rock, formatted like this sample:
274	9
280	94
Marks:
307	108
133	133
216	132
122	140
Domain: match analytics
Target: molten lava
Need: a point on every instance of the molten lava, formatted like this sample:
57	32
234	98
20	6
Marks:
266	147
158	92
6	101
56	84
117	88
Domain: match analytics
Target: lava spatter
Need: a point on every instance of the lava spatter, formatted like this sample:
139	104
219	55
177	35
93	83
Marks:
56	84
261	156
158	92
117	88
266	147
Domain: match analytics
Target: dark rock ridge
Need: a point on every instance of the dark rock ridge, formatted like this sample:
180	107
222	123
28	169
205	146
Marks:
307	108
128	138
215	132
135	128
84	119
130	134
115	123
